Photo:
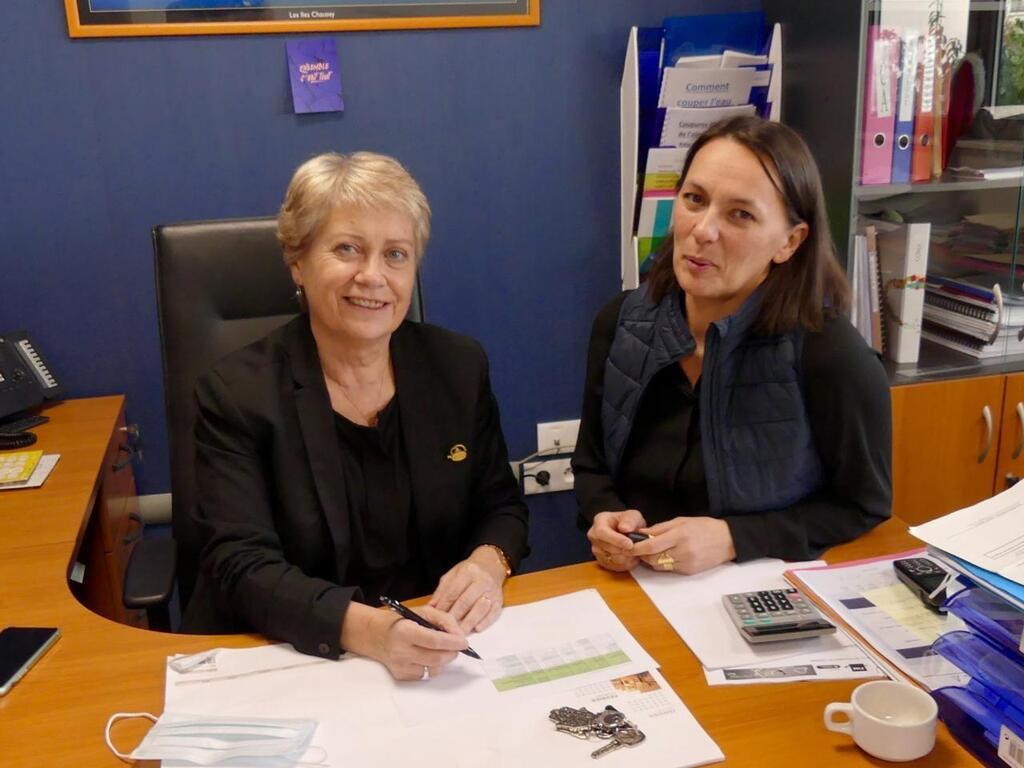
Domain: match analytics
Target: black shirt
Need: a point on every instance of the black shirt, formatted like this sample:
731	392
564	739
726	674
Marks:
385	555
662	472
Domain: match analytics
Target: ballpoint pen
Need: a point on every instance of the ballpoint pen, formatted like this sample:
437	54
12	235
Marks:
405	613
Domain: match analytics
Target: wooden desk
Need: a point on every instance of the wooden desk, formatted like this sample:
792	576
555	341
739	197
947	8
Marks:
56	715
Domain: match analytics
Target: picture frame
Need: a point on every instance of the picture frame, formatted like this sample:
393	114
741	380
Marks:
133	18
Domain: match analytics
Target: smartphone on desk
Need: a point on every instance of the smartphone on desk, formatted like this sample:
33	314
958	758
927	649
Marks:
20	648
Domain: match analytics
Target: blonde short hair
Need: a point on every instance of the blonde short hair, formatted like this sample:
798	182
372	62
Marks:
362	179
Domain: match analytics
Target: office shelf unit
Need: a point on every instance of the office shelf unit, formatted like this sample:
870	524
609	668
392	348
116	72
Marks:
958	423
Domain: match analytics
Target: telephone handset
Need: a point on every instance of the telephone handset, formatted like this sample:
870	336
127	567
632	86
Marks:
25	382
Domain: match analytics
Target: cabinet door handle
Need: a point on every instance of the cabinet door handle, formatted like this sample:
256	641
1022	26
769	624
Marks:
117	466
1012	479
137	533
986	414
1020	440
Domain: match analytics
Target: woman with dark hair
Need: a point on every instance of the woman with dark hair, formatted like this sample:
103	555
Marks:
730	410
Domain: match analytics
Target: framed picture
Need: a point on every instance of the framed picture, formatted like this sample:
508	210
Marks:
123	18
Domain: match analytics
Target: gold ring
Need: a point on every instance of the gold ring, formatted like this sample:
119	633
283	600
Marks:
665	561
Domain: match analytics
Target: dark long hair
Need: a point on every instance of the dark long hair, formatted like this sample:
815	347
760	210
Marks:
810	286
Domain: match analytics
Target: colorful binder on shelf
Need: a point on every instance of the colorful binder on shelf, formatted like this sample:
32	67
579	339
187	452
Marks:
924	114
879	105
903	134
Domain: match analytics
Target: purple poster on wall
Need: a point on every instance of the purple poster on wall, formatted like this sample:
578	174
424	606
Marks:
313	70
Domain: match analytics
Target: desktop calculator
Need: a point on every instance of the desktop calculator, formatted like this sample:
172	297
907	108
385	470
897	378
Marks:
775	614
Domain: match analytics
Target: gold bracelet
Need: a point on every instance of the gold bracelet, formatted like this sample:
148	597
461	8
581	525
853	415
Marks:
501	557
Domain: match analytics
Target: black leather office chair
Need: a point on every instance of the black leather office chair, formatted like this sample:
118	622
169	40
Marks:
220	285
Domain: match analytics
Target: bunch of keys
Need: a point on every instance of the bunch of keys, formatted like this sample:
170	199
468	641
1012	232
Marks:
610	723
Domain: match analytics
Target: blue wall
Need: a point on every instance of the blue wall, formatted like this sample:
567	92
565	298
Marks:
513	134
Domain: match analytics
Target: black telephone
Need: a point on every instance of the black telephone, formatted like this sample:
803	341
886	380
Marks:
25	382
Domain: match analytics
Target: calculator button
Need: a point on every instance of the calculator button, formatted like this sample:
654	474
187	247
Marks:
735	598
805	610
758	609
789	613
748	622
762	593
765	621
791	591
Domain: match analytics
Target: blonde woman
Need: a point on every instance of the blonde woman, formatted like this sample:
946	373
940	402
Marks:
352	453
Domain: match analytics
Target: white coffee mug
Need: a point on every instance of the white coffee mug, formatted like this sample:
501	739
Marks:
891	721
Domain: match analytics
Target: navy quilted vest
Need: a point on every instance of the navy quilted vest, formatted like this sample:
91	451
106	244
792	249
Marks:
758	448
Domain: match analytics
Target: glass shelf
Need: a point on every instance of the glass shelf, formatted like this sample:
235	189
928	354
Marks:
976	5
878	191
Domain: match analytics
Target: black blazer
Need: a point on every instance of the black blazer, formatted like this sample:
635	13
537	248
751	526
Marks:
267	468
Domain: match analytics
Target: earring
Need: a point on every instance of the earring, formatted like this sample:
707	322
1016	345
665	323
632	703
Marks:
299	294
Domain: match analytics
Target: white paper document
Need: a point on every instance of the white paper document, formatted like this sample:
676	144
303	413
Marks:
493	713
989	535
816	666
42	471
869	597
551	644
683	126
693	606
665	160
688	87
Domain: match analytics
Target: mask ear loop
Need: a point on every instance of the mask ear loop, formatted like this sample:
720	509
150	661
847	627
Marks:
123	716
319	764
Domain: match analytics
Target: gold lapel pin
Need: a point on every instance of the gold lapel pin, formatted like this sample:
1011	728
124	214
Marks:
457	452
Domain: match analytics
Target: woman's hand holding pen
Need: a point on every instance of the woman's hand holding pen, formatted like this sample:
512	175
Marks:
609	542
471	591
408	650
686	545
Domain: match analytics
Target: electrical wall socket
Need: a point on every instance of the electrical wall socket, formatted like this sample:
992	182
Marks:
557	434
559	469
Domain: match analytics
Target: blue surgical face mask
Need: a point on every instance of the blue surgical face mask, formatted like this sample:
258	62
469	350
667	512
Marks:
205	740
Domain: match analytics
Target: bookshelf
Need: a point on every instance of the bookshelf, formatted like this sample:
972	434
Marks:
826	47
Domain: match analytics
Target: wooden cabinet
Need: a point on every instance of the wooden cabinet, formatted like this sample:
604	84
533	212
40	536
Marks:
955	443
1010	464
113	527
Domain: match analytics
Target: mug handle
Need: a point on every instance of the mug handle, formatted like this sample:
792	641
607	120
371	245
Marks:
839	727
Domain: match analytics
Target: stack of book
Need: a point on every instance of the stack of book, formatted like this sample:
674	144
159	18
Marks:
964	315
983	242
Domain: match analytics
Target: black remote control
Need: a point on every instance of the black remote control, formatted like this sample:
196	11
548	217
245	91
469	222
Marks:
923	577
